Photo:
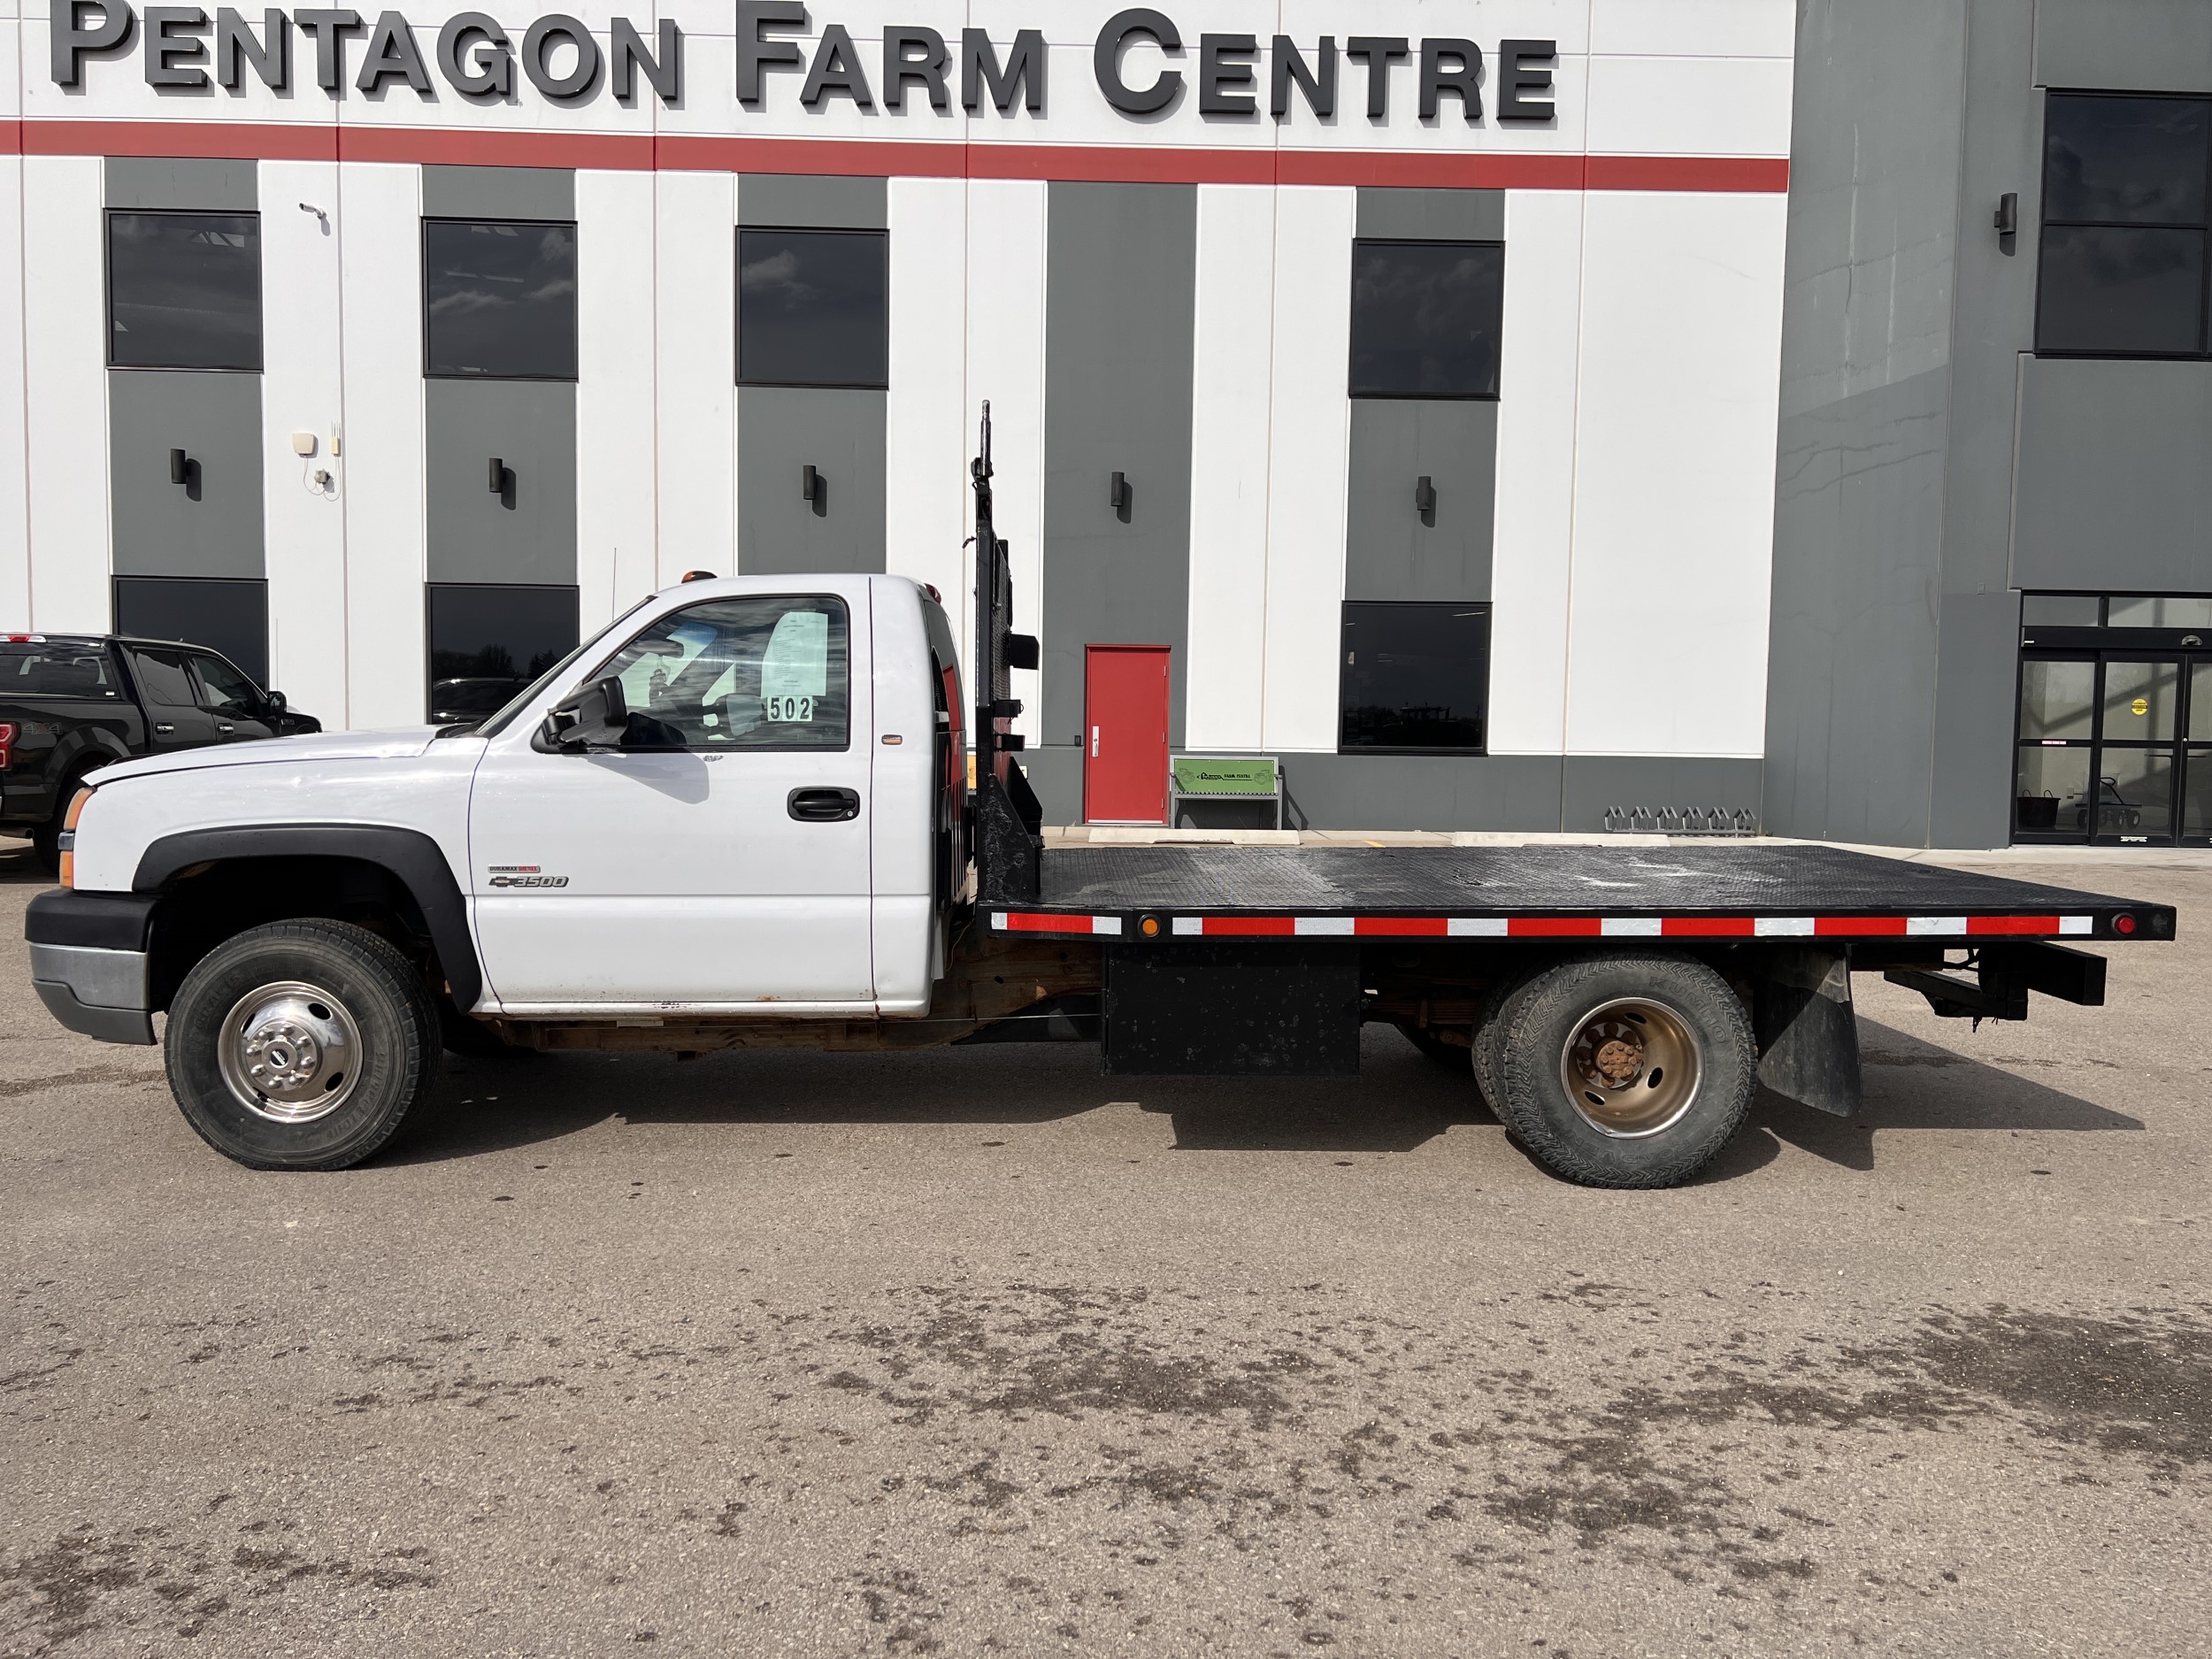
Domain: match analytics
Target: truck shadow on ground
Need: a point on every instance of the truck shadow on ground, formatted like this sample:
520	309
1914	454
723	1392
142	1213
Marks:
1913	1084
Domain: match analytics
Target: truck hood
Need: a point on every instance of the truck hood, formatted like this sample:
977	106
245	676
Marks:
405	744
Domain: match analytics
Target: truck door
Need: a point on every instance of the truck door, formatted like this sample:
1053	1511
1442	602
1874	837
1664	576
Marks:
1125	733
719	858
174	719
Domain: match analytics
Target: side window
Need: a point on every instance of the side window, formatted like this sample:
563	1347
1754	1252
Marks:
811	308
499	299
767	672
228	691
1426	317
184	290
2125	223
54	671
164	678
1415	676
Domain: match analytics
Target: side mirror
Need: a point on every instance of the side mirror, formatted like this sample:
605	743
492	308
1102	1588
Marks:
277	704
597	718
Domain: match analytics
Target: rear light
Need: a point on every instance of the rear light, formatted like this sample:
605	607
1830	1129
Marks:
25	639
2123	925
7	744
69	836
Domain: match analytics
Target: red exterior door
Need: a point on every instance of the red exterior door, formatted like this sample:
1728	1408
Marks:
1125	733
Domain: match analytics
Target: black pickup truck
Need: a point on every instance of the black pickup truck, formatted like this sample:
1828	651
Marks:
71	702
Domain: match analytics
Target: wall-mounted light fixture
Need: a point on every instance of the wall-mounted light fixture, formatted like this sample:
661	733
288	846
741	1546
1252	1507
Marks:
2006	218
180	466
813	487
497	475
1119	496
1425	498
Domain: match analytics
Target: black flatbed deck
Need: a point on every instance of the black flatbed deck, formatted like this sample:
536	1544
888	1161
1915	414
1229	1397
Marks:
1718	890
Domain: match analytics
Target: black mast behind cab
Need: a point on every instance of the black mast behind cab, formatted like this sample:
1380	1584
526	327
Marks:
1008	817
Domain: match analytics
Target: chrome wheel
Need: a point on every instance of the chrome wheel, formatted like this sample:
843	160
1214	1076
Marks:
1631	1067
289	1051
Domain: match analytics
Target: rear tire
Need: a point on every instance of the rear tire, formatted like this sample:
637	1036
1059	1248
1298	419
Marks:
301	1045
1490	1024
1631	1069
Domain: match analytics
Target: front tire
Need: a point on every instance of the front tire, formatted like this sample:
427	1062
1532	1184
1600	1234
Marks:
1632	1069
301	1045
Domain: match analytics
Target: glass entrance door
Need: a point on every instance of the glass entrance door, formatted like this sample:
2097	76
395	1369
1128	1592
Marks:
2115	746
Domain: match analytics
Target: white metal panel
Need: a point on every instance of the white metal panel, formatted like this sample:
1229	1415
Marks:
1487	22
695	347
303	527
1532	540
64	335
615	494
381	465
1006	365
1674	487
927	434
1232	381
1307	437
15	505
1712	29
1690	106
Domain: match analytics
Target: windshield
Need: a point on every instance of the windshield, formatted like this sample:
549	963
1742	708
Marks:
522	699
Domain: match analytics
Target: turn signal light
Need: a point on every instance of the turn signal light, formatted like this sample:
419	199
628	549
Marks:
69	836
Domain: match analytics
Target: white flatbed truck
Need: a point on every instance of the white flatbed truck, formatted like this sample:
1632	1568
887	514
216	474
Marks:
740	817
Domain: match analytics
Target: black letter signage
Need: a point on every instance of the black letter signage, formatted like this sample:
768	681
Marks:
71	40
1517	76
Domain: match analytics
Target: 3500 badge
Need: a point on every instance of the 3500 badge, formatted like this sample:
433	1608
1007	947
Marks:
523	876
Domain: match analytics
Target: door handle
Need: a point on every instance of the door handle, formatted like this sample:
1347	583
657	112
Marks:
224	725
1094	743
162	729
823	806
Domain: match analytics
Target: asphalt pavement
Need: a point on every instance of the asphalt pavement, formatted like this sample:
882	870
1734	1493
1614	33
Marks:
981	1352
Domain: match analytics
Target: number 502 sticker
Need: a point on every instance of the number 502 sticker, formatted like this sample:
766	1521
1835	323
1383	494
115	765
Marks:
790	707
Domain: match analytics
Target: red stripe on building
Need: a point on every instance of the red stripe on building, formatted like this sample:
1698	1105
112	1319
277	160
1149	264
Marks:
2012	924
1877	926
1403	926
1708	927
342	141
1555	928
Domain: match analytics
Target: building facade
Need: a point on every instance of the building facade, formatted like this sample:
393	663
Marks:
1506	413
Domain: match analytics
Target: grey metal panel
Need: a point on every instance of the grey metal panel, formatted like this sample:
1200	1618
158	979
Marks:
2124	45
1432	215
159	528
1687	783
781	430
1120	276
1381	792
1993	321
197	184
813	201
498	193
1390	552
1874	211
2114	492
528	534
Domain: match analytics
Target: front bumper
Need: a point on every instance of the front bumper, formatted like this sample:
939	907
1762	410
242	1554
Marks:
89	962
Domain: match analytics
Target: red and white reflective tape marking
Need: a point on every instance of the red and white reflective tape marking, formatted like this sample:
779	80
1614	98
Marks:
1036	922
1566	927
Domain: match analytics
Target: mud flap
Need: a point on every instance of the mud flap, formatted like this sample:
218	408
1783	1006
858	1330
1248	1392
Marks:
1809	1035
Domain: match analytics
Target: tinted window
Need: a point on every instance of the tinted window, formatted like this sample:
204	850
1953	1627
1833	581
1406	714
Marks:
184	290
227	690
164	679
771	673
2122	260
499	299
487	643
1425	318
811	308
1415	676
55	670
227	616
